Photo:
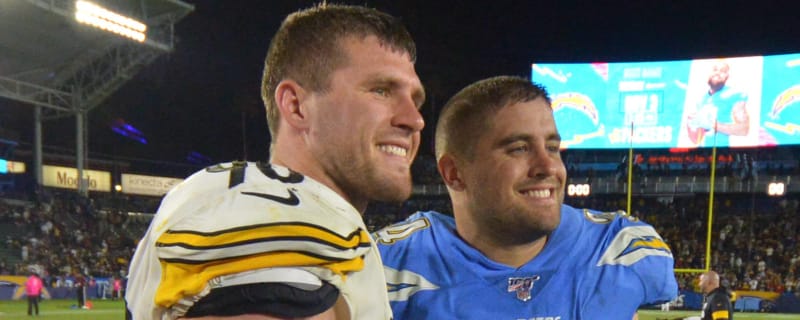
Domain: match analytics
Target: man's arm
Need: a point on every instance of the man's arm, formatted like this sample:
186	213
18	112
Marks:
741	121
340	311
285	293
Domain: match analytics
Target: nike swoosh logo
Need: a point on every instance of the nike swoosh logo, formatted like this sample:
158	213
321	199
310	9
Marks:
291	200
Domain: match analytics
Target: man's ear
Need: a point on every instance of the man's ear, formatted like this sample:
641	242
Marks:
449	170
291	97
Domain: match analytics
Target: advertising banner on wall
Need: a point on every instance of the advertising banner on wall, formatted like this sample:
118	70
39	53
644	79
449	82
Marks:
66	177
8	166
147	185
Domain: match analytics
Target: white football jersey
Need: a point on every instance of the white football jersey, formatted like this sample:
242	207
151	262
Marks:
246	218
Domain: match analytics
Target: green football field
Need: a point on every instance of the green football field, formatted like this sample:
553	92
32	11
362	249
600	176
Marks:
108	310
655	315
62	309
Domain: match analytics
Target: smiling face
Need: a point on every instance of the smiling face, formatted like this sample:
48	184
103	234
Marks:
719	75
365	127
514	185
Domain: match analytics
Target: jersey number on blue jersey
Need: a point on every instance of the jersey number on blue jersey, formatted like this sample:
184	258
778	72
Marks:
607	217
400	231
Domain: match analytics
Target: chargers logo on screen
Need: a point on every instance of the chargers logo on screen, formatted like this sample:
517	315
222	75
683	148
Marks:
785	99
577	101
574	126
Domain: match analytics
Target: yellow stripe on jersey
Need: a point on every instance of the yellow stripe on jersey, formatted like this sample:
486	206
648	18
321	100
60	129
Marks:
722	314
654	243
190	259
632	244
180	280
258	233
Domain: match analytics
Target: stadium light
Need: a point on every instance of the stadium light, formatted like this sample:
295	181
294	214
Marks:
776	189
579	190
102	18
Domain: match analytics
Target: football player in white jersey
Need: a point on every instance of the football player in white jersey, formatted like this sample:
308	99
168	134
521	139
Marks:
285	239
513	250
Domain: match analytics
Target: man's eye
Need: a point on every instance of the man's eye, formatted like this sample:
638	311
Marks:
381	91
520	149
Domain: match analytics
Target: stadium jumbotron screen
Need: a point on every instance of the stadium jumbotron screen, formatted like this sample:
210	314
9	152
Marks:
746	101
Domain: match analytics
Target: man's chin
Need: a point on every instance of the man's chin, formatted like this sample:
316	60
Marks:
398	197
392	194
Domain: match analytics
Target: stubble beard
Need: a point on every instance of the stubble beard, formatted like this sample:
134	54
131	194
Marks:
517	225
366	182
387	189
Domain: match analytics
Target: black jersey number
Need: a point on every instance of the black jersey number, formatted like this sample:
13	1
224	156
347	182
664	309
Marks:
236	176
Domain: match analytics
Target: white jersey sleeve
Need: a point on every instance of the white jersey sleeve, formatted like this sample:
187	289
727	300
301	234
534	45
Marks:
228	221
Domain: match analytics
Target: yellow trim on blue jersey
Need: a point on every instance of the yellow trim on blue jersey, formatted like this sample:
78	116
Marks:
632	244
653	243
396	232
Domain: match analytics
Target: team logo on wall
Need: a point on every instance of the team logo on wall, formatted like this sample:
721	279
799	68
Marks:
522	286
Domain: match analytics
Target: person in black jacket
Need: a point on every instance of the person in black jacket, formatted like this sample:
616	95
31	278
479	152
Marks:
717	301
717	305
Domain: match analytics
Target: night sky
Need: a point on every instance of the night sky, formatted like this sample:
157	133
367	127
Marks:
204	97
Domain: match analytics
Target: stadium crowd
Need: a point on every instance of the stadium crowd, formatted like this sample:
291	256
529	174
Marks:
63	236
754	239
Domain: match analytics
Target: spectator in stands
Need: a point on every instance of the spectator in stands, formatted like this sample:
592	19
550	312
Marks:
342	101
33	289
24	253
512	239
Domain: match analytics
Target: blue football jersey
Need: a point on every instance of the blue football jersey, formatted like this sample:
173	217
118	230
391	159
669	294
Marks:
596	265
723	102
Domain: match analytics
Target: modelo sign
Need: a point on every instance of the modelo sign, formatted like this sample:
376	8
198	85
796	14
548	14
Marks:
65	177
147	185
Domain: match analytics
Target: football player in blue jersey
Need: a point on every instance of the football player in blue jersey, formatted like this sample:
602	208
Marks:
513	250
285	239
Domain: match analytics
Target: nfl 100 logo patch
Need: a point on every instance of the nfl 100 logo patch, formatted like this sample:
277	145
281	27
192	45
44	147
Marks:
522	286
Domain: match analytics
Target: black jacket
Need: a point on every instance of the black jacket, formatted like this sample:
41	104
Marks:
718	305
